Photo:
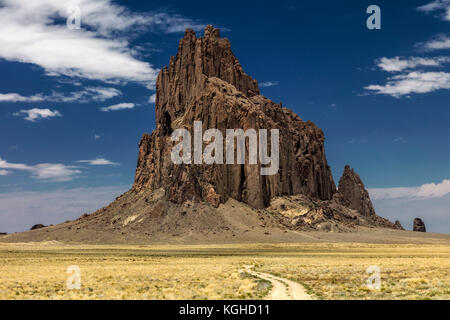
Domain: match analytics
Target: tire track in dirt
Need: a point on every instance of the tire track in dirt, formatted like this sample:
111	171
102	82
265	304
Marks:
282	289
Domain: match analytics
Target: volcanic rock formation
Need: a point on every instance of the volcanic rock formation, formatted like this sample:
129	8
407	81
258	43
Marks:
205	82
352	193
419	225
223	202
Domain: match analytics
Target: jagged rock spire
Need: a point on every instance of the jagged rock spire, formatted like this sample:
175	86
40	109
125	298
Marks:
197	59
353	194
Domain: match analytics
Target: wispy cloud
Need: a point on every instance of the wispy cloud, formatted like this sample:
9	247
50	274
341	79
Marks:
15	97
99	162
44	171
120	106
357	141
37	114
426	191
437	5
4	172
267	84
398	64
86	95
35	32
399	140
413	82
440	42
152	98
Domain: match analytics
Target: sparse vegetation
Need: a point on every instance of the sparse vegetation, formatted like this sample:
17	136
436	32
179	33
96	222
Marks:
328	271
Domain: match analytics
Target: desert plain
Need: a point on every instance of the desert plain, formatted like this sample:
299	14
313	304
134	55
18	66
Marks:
412	266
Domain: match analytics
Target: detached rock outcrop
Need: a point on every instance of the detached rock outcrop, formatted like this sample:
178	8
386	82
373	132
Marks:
353	194
37	226
419	225
205	82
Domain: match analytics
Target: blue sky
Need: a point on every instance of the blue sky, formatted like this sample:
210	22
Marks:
74	103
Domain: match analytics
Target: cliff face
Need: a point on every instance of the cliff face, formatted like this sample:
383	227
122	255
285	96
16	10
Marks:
205	82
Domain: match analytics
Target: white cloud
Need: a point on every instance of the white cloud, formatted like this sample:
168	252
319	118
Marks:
152	98
440	42
4	172
99	162
116	107
44	171
437	5
32	32
19	210
397	64
268	84
37	114
55	172
426	191
413	82
86	95
97	136
15	97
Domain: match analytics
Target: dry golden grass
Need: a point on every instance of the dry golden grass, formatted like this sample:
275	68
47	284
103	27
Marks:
339	271
330	271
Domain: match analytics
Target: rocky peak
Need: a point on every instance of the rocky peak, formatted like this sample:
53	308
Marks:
353	194
197	60
205	82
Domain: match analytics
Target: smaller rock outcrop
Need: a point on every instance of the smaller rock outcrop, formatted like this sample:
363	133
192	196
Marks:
398	225
3	234
352	193
419	225
37	226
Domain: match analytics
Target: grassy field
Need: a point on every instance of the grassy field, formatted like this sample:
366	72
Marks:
328	271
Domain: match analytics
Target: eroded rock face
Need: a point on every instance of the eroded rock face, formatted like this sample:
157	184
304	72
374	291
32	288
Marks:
353	194
205	82
419	225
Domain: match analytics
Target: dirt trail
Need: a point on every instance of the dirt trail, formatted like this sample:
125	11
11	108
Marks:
282	289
